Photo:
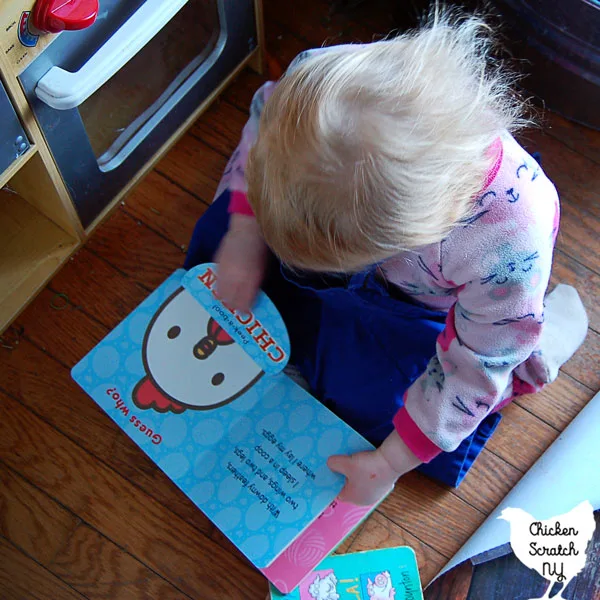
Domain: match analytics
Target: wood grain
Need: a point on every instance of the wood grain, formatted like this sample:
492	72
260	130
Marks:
422	507
140	253
99	569
488	481
52	321
521	437
96	287
579	139
71	550
585	364
21	578
30	520
195	166
455	585
221	129
559	403
380	532
167	208
240	94
130	518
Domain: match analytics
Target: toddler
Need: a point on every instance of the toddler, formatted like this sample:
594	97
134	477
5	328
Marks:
413	239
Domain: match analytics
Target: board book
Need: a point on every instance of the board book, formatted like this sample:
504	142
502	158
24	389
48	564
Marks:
201	389
387	574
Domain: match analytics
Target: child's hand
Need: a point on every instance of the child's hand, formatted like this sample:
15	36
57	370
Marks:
242	260
370	475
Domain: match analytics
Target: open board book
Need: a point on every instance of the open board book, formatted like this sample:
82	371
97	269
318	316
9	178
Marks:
201	389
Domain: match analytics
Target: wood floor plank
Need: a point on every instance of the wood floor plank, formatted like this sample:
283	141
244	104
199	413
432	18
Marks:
488	482
71	550
47	389
221	127
584	365
380	532
240	94
30	520
583	140
21	578
136	250
319	22
521	437
579	234
584	280
559	403
283	44
123	513
60	331
165	207
431	513
98	288
96	567
195	166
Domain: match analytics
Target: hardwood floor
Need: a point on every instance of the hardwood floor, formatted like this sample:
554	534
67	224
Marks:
84	514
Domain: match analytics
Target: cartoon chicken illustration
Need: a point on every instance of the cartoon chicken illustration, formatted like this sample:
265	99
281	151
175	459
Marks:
555	548
191	362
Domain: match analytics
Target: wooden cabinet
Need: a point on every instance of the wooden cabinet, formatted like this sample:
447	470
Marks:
39	226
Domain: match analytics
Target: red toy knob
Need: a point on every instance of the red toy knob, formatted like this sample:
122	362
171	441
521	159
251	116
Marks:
57	15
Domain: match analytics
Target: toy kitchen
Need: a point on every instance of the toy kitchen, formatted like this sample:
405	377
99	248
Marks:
92	94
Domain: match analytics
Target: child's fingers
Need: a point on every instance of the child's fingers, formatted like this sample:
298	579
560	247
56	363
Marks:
340	464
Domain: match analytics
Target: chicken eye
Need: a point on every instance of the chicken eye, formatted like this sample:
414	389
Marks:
173	332
218	379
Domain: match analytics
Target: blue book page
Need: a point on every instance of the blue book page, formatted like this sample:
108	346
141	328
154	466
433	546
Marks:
248	447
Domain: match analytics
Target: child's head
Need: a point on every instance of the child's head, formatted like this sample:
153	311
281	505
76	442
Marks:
368	150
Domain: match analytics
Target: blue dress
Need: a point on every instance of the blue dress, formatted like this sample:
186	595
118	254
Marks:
357	341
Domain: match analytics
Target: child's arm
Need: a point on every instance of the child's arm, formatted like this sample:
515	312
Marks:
500	267
371	474
242	255
500	270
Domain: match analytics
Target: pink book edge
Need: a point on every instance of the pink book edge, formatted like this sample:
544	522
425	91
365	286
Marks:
314	544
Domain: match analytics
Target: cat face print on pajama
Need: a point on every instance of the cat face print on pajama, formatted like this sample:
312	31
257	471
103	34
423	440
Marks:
515	270
190	361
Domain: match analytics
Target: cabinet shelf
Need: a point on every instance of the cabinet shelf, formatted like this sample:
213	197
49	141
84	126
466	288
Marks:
32	248
17	165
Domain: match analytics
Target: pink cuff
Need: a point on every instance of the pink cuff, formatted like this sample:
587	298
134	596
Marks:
238	204
418	443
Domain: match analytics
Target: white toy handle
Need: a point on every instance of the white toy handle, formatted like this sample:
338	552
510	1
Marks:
63	90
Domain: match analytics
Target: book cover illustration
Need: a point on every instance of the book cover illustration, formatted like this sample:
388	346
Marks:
200	389
387	574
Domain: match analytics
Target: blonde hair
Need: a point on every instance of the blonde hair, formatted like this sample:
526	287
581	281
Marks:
368	150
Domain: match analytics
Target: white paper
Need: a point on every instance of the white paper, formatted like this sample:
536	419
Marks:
565	475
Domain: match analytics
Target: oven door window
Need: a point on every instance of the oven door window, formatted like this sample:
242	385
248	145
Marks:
118	116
